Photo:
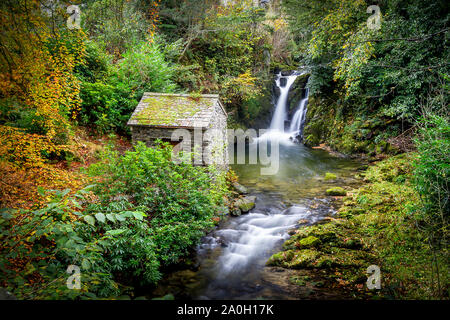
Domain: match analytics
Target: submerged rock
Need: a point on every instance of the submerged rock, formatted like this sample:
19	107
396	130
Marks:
336	191
330	176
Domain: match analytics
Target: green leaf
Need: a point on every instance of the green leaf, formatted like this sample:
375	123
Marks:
115	232
76	204
100	217
41	191
120	217
110	217
138	215
85	264
90	220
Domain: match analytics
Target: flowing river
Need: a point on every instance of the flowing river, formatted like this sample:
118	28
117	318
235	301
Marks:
230	261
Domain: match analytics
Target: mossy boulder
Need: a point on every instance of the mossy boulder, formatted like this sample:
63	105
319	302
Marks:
325	233
330	176
303	259
336	191
245	204
281	259
343	258
235	212
308	242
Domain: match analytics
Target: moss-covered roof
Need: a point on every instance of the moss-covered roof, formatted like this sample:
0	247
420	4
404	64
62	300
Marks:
174	110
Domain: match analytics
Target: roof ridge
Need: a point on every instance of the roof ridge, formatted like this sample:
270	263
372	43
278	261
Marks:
187	95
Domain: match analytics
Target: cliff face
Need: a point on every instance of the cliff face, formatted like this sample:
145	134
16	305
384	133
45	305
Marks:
348	132
297	93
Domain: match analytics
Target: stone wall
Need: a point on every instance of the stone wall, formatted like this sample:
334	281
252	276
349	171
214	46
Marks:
213	147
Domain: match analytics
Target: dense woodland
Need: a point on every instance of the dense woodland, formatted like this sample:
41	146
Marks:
75	192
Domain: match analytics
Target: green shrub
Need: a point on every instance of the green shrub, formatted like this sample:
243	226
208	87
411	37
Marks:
39	245
181	199
146	212
96	64
110	93
432	176
106	106
144	68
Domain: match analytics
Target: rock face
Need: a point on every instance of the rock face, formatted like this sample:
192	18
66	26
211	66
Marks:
297	92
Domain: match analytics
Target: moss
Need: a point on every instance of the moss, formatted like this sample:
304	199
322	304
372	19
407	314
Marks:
170	110
379	229
324	232
245	204
303	259
246	207
336	191
280	258
308	242
299	280
346	131
330	176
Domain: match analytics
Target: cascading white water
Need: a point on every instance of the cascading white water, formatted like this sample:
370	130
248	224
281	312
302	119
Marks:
299	116
254	236
279	115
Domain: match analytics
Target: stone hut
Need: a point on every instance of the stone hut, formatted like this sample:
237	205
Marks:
191	123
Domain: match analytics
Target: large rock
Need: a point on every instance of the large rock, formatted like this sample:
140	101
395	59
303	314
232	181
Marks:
245	204
239	188
336	191
236	212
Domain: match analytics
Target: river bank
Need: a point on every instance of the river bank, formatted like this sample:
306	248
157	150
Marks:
326	253
374	226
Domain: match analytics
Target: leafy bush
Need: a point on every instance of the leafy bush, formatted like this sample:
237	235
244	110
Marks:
96	65
146	212
39	245
109	93
181	199
106	106
432	176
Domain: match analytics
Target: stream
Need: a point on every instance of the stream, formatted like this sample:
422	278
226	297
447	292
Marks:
230	260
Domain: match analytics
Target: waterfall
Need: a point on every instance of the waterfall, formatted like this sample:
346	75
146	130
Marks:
279	115
299	116
277	131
